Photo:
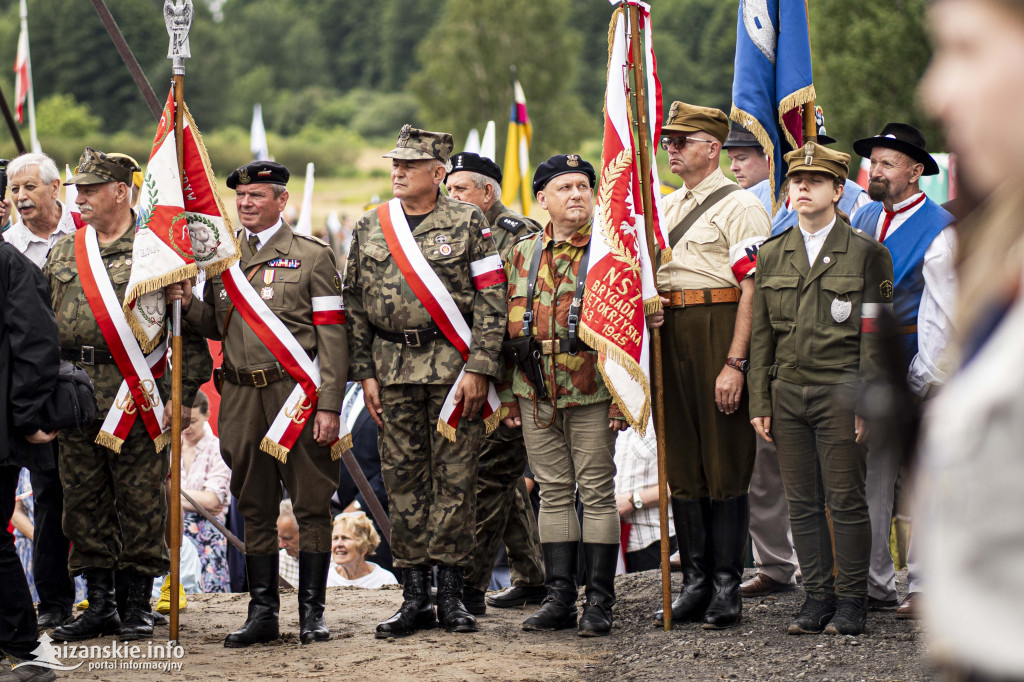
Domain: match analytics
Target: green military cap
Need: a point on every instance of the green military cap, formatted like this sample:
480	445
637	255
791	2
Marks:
815	158
95	167
415	144
690	118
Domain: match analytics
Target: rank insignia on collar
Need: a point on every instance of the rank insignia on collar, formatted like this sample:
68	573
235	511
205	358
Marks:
572	160
288	263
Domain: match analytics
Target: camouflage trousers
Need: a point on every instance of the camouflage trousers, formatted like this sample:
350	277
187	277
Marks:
431	482
115	511
504	513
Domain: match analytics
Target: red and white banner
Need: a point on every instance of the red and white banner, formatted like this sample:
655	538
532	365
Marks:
22	80
620	287
300	406
70	194
138	395
438	301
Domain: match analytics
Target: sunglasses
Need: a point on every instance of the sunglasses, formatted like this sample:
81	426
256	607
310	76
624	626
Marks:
679	142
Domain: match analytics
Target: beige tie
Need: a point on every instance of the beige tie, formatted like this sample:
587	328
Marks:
254	244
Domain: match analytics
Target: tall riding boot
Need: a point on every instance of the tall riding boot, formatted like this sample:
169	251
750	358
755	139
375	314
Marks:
264	603
101	618
450	610
313	567
597	611
416	612
691	518
558	610
730	522
138	616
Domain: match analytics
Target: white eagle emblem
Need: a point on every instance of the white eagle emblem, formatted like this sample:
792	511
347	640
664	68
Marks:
759	27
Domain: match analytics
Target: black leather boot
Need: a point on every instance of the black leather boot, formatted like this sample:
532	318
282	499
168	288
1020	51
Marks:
730	522
451	612
691	519
264	603
138	616
597	610
473	600
100	619
416	612
558	610
313	567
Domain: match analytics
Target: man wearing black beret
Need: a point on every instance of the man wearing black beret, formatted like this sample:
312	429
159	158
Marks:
503	510
570	432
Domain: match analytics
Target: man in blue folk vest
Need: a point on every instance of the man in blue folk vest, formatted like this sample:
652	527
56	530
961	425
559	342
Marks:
918	234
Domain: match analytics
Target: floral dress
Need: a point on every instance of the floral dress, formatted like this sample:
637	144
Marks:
209	472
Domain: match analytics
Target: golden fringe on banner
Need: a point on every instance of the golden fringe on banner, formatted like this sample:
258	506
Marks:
345	443
187	271
490	424
275	450
799	98
109	441
606	349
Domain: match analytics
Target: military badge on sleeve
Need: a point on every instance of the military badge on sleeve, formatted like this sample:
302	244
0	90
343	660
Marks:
885	289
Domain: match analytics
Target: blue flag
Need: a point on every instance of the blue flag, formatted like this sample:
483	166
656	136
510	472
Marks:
772	78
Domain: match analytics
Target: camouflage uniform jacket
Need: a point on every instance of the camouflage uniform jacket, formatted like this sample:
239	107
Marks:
290	270
378	296
572	379
507	227
77	325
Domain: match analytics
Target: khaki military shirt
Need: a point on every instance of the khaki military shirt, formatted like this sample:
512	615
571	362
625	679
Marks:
719	249
508	227
77	327
377	295
290	270
817	324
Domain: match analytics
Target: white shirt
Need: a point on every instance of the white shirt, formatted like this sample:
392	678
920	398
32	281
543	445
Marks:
936	312
636	468
266	234
34	247
373	580
814	242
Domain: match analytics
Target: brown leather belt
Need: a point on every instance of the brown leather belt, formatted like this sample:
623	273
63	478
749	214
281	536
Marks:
686	297
87	355
258	377
909	329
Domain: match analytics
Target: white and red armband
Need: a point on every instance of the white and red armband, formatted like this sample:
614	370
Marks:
487	272
871	313
743	257
328	310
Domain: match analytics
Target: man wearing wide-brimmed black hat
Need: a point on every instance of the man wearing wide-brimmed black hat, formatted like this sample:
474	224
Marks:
918	234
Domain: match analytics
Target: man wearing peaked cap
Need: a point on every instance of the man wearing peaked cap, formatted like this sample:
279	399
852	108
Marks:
293	278
114	505
820	290
411	369
503	511
920	236
706	288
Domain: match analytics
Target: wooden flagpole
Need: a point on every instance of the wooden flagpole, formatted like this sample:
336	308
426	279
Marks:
641	133
810	125
11	125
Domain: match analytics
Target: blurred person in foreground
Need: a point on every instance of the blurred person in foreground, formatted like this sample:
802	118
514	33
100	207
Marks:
971	512
353	539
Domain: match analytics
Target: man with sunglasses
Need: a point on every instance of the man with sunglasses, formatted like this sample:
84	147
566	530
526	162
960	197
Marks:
707	289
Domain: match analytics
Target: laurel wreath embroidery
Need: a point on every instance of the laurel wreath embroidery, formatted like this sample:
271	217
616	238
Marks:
198	218
613	236
152	194
181	217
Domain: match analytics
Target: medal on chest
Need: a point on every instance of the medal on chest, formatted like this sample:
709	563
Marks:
267	293
841	310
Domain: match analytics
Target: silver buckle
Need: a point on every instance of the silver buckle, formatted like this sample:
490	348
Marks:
87	355
412	338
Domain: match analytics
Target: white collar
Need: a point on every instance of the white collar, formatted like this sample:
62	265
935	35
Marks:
908	202
265	235
820	234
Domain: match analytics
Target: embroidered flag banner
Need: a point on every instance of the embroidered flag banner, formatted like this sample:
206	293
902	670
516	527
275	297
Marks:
620	287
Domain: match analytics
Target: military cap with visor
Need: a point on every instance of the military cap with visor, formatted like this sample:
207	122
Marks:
96	167
560	164
474	163
417	145
902	137
259	172
690	118
815	158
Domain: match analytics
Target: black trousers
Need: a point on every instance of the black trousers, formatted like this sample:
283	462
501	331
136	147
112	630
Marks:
17	617
50	546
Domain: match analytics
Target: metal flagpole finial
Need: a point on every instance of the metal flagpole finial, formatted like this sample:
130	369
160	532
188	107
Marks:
178	19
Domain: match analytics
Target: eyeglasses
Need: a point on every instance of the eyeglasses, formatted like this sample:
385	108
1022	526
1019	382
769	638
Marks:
679	142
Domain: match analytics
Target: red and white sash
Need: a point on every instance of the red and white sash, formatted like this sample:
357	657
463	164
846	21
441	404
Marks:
302	401
438	301
138	394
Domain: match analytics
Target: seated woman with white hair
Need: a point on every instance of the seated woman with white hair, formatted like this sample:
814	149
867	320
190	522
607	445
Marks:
354	537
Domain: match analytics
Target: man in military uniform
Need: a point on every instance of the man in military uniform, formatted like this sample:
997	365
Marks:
114	505
820	290
297	278
503	510
408	367
706	288
570	435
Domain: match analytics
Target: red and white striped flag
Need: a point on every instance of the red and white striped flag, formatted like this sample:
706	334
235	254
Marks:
70	194
22	78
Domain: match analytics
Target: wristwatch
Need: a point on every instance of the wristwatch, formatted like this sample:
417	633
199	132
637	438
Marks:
742	364
637	502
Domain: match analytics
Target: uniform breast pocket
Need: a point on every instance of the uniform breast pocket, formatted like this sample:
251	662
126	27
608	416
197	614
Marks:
286	289
448	261
840	299
65	306
781	295
119	276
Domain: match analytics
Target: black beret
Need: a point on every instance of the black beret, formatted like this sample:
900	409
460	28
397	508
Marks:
474	163
265	172
560	164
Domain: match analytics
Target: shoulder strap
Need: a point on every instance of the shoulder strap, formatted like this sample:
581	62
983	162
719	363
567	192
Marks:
577	301
679	230
531	285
